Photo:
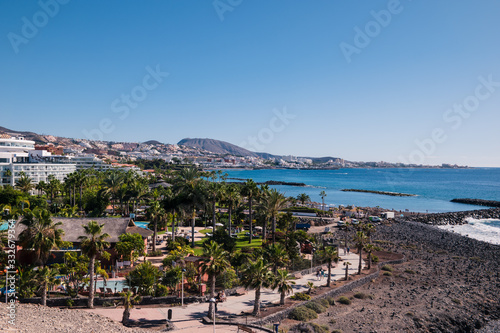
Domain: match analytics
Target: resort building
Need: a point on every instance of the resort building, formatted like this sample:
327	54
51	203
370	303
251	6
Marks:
88	161
18	156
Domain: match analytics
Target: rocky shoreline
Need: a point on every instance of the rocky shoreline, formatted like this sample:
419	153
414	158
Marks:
393	194
449	283
455	218
477	202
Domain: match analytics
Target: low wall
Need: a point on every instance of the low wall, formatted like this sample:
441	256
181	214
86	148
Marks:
279	316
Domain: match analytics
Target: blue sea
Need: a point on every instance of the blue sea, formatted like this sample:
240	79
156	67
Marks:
434	188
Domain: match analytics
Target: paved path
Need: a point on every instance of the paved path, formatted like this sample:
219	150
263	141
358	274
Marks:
188	318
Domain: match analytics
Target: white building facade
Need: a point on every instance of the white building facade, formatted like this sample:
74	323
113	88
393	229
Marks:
19	156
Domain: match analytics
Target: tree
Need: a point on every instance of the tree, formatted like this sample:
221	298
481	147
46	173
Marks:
130	246
191	193
231	198
154	212
283	282
331	255
250	190
323	194
144	277
41	234
128	303
347	264
92	245
303	198
112	185
256	275
369	248
276	255
273	202
46	278
360	241
24	183
215	262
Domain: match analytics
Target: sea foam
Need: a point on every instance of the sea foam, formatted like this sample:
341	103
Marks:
486	230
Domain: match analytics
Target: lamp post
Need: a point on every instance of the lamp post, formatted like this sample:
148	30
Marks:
212	300
182	287
312	258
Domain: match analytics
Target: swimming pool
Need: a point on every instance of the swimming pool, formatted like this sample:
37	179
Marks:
142	224
113	284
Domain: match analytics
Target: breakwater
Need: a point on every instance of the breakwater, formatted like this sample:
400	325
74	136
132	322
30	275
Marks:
477	202
454	218
271	182
393	194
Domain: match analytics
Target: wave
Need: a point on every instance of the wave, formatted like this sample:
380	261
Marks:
486	230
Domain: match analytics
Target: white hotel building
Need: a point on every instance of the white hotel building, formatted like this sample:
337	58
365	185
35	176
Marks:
18	155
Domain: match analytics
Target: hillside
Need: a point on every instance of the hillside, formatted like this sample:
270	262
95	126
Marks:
216	146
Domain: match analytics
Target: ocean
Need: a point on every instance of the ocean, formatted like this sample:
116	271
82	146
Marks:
434	188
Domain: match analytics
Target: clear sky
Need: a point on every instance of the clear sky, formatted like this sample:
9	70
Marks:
399	81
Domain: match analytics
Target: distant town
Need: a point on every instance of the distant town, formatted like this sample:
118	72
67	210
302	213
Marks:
62	156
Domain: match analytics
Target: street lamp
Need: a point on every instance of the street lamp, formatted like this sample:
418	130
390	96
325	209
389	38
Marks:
213	301
312	258
182	287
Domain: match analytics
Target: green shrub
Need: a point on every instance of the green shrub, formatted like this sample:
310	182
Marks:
315	306
301	297
344	300
331	300
387	274
303	314
320	328
156	253
374	259
324	302
456	301
409	271
337	331
70	302
387	268
161	290
360	295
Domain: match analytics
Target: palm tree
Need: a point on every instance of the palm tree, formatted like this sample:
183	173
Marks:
216	262
41	234
322	194
303	198
154	213
112	185
346	264
191	193
24	183
368	229
369	248
256	275
92	245
283	282
231	198
214	192
360	240
46	278
274	201
276	255
128	303
250	190
331	255
41	187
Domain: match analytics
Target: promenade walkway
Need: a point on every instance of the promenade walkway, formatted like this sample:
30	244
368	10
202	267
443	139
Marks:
188	318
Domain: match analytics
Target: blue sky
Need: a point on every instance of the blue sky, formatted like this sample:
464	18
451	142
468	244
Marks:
419	83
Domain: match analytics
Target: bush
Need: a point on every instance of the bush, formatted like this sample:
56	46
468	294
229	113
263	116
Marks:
409	271
360	295
161	290
303	314
331	300
344	300
315	306
301	297
324	302
387	274
387	268
456	301
156	253
70	302
374	259
337	331
320	328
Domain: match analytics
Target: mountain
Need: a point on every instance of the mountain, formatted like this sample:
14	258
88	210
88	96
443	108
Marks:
216	146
